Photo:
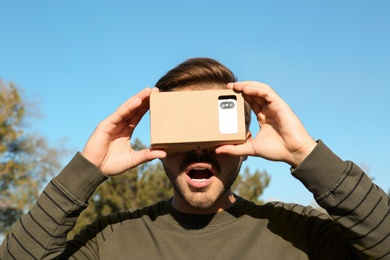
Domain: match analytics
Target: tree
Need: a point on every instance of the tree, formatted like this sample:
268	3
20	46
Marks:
135	188
26	160
147	184
251	185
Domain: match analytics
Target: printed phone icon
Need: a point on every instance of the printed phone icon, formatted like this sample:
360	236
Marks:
227	112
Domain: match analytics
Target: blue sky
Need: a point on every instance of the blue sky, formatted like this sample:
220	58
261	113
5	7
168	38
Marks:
330	60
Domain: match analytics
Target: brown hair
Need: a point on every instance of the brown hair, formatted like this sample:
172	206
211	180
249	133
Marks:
200	73
196	72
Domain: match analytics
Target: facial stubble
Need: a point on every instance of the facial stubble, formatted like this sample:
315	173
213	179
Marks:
201	198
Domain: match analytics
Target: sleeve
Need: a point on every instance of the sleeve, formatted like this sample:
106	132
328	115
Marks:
359	206
41	233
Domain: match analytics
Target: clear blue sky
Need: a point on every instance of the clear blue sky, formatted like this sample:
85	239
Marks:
329	60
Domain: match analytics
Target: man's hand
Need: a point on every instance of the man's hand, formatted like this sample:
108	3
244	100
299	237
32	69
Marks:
282	137
109	146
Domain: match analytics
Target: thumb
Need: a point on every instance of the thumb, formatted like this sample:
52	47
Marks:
235	150
244	149
146	155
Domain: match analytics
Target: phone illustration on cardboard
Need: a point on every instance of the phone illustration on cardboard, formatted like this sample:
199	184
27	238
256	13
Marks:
227	113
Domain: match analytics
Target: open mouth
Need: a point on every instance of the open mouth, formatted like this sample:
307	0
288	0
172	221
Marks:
200	174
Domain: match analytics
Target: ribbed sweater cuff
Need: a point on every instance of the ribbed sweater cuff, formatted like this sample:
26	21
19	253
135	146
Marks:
321	170
80	178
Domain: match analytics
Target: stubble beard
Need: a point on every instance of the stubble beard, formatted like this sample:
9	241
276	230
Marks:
203	198
199	198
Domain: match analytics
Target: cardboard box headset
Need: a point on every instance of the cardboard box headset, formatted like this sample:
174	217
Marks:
187	120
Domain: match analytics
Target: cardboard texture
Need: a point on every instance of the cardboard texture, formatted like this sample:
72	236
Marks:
187	120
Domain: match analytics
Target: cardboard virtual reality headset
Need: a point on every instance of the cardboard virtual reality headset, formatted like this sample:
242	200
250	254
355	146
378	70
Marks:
203	119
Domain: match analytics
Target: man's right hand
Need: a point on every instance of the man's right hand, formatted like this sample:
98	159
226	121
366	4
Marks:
109	146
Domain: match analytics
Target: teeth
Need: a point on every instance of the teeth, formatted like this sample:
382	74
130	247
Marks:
199	180
199	177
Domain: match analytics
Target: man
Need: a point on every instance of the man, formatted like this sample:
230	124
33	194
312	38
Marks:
204	219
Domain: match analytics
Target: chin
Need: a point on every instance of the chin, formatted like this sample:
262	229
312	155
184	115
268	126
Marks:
200	201
203	198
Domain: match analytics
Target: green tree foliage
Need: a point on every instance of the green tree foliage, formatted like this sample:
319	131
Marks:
26	160
138	187
251	185
148	184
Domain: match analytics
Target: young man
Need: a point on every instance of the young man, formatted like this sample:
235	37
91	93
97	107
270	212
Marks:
204	219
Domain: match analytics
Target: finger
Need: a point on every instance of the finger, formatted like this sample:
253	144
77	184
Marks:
130	107
146	155
258	90
235	150
136	117
253	88
253	92
118	119
143	94
155	89
230	85
255	103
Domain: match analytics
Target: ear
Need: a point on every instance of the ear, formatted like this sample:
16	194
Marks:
248	137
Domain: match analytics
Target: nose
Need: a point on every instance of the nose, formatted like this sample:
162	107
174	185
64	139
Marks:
199	151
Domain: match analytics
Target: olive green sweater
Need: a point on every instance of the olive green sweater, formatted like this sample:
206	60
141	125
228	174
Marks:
358	224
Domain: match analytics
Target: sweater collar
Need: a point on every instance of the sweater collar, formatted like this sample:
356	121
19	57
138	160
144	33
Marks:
200	221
